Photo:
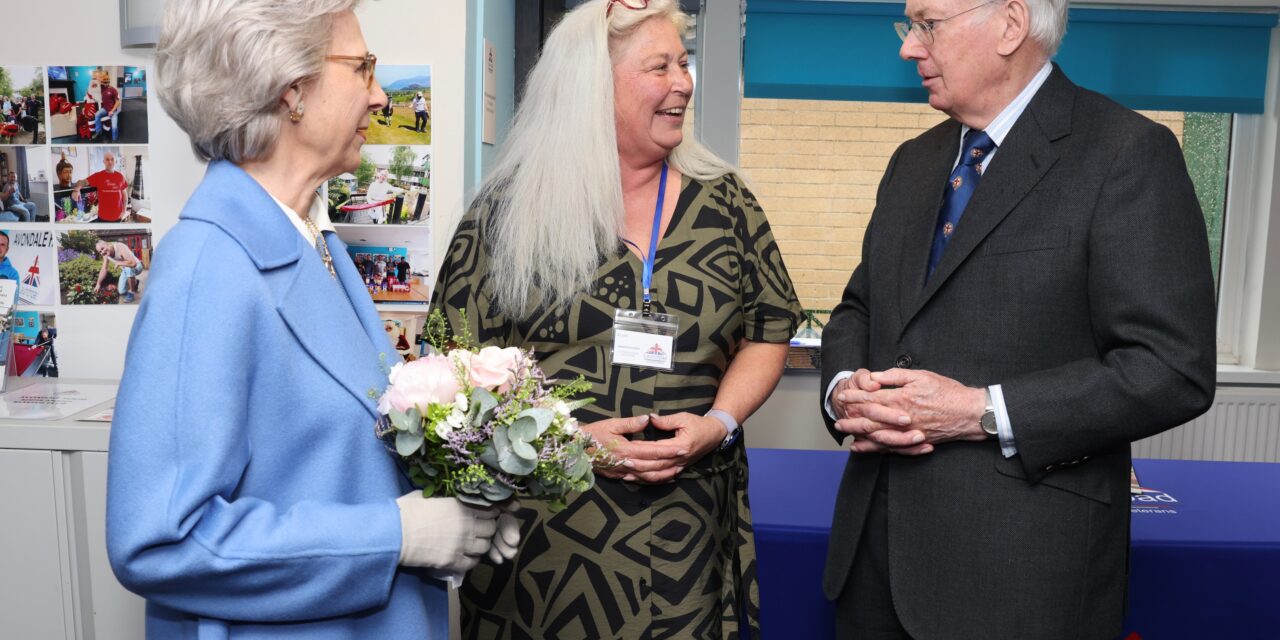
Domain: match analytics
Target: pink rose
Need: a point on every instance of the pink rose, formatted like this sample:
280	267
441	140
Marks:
494	368
421	382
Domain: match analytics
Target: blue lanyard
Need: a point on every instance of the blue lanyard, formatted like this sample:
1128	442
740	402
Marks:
647	278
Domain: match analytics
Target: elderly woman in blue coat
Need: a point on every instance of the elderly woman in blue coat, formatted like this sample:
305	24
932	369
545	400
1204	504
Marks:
248	496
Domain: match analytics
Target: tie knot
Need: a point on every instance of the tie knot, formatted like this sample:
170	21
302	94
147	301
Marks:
977	144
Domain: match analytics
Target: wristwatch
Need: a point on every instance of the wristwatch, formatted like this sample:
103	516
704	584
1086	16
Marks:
730	425
989	416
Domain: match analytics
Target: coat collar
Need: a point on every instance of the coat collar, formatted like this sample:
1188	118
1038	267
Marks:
1022	161
335	321
233	201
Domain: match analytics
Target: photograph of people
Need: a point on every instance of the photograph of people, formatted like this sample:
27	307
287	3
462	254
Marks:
7	271
16	207
22	105
68	195
24	184
117	254
235	512
1013	325
103	266
392	185
100	104
596	180
104	184
405	119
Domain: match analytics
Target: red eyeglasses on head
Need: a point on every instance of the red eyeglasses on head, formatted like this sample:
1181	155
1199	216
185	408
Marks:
639	4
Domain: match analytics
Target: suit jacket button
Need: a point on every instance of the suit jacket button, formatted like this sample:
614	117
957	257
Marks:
903	361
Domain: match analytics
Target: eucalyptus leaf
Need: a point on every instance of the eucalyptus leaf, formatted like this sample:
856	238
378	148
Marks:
501	441
523	428
525	450
428	489
408	443
489	455
580	468
410	421
508	461
542	418
482	405
476	500
495	492
429	470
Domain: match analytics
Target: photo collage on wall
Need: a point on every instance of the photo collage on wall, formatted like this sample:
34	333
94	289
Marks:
382	211
74	208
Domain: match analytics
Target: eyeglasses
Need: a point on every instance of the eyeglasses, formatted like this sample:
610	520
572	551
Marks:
367	63
924	28
641	4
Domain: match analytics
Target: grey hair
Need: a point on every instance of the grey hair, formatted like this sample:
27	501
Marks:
553	199
222	65
1048	23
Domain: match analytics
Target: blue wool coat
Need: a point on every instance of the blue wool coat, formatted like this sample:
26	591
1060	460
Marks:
247	494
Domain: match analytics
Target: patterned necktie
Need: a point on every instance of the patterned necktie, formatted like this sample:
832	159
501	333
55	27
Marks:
960	187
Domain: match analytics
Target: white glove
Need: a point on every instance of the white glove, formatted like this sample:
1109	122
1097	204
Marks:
507	540
443	533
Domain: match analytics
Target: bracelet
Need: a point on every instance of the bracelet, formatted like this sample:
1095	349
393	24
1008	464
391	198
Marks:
730	426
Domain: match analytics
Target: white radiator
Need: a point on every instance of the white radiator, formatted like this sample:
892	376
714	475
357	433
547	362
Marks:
1243	425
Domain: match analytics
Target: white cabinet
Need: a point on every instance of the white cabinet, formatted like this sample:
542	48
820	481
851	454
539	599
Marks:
34	585
55	581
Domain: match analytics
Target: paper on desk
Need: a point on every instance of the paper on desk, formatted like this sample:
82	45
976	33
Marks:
53	400
105	414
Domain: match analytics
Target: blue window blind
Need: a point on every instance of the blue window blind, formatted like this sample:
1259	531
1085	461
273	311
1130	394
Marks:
1167	60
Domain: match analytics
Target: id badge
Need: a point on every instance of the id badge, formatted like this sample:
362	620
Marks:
646	342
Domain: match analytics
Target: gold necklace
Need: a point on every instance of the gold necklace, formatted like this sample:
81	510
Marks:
321	246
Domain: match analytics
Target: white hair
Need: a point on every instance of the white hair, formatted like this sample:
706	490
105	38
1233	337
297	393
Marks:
1048	23
552	204
222	65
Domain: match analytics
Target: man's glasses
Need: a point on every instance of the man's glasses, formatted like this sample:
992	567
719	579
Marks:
923	29
639	4
367	63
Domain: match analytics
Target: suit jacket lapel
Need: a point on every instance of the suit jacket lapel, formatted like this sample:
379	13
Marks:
1019	164
920	211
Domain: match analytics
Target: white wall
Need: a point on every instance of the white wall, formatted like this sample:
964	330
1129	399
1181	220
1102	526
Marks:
92	339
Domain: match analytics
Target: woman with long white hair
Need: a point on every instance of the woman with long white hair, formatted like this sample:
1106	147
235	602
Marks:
237	505
621	250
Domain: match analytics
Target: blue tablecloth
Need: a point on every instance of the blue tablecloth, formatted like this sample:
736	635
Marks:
1205	559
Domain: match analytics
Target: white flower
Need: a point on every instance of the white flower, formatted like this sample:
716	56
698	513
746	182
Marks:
570	426
443	429
562	408
395	370
456	420
460	402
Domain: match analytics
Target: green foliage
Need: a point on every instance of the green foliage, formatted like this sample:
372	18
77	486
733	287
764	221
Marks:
338	194
78	277
401	162
35	88
82	241
6	82
364	174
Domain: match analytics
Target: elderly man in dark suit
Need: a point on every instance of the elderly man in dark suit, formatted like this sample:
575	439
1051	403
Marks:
1035	293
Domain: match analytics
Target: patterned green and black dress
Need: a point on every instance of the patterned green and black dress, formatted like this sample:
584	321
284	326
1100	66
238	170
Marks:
626	560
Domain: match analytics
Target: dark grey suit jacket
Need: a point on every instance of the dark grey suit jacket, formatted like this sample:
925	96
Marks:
1079	279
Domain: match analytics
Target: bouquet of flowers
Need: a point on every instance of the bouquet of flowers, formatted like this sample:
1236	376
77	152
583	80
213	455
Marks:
485	425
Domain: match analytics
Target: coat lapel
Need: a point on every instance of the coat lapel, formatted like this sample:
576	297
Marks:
335	321
323	319
353	284
1027	154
